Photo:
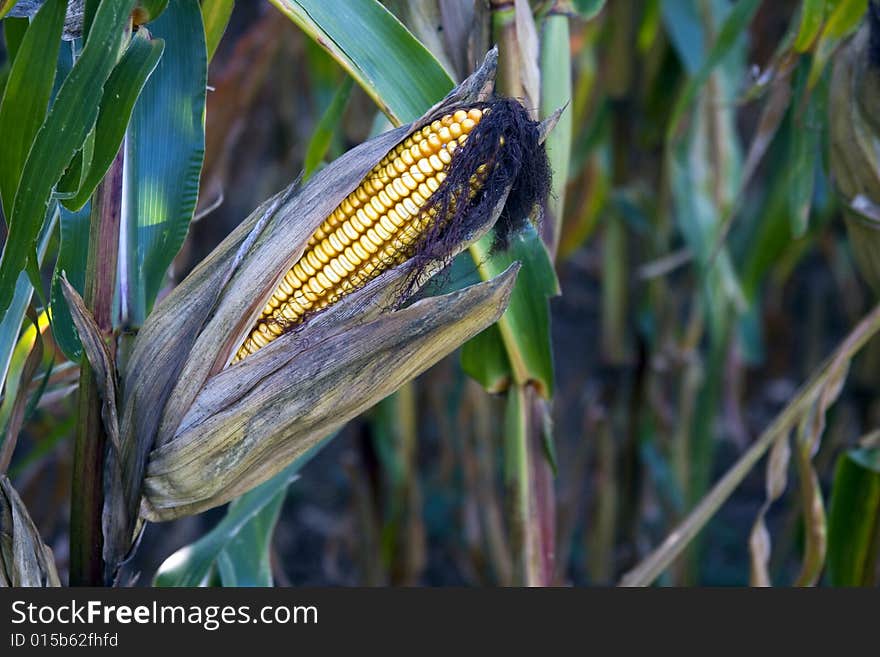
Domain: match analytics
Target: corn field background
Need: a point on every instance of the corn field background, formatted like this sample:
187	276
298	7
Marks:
684	388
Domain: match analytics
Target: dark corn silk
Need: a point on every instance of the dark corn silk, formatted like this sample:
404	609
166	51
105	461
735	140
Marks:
376	227
453	168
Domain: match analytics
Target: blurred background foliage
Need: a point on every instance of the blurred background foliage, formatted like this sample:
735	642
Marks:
704	267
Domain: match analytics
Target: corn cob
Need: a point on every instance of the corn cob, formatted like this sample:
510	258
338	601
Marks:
376	227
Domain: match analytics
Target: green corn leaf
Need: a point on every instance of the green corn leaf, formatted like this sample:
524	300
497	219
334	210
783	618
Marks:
812	15
215	14
27	94
164	151
320	141
61	135
556	92
854	519
734	26
401	76
72	256
192	565
10	326
803	156
246	559
14	30
844	19
485	360
525	328
21	370
120	93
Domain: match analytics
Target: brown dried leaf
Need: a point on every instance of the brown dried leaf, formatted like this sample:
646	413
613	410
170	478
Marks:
24	559
760	544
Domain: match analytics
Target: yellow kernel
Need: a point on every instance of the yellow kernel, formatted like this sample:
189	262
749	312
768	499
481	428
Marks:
435	163
475	114
425	166
284	288
299	273
387	225
351	256
467	125
360	222
335	243
411	207
444	135
425	148
323	280
395	218
348	260
314	261
444	156
381	231
338	268
370	211
459	116
331	275
323	254
360	251
368	245
292	279
435	126
408	180
400	187
384	199
408	159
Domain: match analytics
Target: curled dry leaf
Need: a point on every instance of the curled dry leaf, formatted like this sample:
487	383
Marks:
196	431
24	559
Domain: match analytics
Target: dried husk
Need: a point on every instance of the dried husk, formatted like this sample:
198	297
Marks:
203	432
24	559
855	149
